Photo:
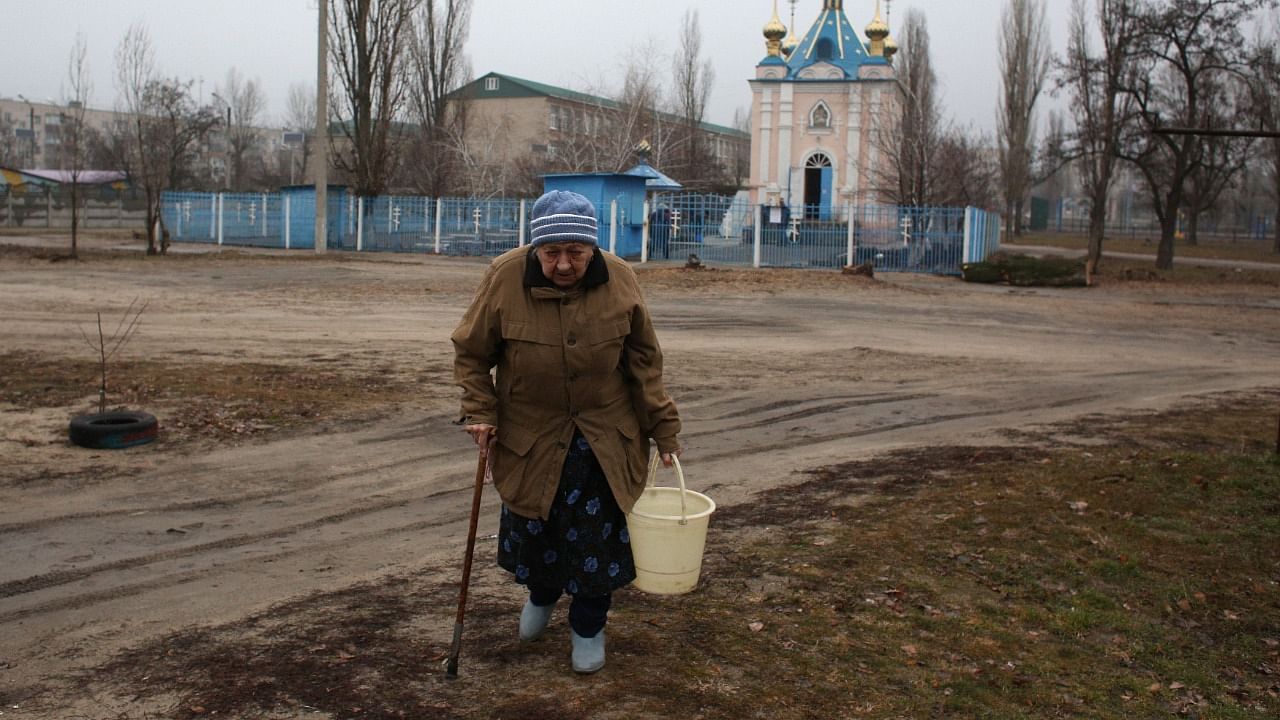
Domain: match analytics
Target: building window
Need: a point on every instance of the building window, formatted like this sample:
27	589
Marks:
491	84
555	118
820	116
818	160
825	49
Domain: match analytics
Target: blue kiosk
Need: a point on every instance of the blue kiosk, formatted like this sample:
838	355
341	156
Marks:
602	189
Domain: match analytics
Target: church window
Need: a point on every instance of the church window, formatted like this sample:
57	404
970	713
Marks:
818	160
825	49
820	116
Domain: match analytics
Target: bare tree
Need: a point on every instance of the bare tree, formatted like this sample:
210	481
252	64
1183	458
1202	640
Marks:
1182	45
1264	84
968	174
1220	161
369	50
163	130
440	66
245	105
693	78
300	117
1099	107
910	141
639	117
10	152
75	133
1024	67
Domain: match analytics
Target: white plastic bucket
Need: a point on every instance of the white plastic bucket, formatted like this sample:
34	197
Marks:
668	528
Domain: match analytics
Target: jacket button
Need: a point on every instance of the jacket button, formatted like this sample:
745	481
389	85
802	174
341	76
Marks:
572	341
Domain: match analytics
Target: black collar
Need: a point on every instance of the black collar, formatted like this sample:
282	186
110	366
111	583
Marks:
597	271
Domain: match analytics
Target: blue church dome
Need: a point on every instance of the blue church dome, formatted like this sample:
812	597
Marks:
832	39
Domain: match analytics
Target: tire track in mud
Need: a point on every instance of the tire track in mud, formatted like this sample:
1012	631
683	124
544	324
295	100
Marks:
801	441
62	577
226	503
742	449
812	411
87	599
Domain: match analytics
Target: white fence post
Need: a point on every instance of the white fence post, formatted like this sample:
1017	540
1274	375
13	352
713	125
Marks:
613	227
644	235
264	214
286	221
359	223
848	218
520	232
757	236
213	217
221	212
439	210
967	253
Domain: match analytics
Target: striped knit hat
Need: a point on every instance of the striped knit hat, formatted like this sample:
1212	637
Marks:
562	216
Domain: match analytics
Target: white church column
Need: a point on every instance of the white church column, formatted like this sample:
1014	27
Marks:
876	126
766	137
786	138
853	142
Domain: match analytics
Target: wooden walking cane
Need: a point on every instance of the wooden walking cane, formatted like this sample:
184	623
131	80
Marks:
451	665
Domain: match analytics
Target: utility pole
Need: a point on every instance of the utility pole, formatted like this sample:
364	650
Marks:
322	129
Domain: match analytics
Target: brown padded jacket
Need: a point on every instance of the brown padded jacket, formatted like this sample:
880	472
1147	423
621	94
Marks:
586	357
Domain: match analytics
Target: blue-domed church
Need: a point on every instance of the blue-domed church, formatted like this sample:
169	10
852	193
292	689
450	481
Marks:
821	107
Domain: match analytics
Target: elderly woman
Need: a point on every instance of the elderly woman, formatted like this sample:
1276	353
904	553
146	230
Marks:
576	397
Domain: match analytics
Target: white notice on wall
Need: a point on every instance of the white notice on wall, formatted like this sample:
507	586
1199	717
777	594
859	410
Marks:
775	215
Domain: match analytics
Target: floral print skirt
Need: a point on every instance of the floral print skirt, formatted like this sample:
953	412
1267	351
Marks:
583	546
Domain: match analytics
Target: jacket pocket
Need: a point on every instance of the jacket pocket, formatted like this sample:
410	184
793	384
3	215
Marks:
606	341
528	332
607	331
634	447
511	463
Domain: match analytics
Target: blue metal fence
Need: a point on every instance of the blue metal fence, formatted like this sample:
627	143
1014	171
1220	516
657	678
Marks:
718	229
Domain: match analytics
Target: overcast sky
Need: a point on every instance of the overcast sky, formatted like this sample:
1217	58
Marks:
579	44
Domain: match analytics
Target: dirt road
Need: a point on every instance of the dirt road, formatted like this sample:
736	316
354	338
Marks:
775	372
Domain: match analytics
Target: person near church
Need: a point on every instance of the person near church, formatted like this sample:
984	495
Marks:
567	418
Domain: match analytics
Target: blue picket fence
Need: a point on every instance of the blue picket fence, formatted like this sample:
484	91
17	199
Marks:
717	229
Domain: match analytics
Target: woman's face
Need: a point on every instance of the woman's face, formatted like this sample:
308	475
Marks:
565	264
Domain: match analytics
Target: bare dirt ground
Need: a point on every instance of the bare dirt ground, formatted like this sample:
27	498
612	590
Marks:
308	444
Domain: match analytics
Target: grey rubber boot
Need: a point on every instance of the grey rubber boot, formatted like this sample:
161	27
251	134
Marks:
588	653
533	620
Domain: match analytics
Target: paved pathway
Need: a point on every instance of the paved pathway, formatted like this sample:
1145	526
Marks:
1210	262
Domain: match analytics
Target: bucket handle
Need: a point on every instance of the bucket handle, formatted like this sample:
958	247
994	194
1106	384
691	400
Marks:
653	475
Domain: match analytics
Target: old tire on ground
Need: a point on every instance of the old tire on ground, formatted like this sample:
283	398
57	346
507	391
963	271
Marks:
114	430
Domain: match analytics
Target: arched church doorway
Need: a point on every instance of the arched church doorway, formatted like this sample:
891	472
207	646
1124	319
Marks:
817	187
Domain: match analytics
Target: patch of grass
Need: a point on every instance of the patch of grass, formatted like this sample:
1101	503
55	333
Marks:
206	399
1026	271
1137	578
